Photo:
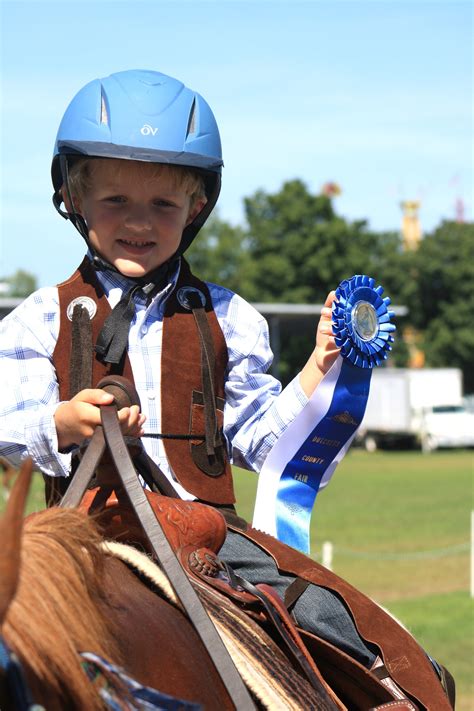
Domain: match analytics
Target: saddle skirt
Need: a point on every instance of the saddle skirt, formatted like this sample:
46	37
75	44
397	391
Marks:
262	665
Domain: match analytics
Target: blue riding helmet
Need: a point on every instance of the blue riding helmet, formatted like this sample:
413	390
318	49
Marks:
145	116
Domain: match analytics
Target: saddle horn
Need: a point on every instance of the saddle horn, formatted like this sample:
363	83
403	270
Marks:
124	392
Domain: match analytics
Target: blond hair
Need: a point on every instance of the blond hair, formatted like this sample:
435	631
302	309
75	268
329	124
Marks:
82	170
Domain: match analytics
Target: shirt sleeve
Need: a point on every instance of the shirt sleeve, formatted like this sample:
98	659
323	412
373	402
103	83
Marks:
257	410
28	384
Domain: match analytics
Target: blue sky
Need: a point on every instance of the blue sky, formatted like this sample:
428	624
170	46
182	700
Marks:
377	96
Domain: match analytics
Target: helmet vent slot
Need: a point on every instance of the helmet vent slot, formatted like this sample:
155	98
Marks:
192	120
104	117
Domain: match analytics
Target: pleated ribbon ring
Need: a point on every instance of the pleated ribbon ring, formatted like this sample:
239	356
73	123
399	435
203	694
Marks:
306	455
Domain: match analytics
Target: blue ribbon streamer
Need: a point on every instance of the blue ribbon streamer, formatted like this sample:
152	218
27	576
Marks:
363	330
300	480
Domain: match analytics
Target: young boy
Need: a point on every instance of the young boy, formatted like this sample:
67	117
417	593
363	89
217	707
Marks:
137	165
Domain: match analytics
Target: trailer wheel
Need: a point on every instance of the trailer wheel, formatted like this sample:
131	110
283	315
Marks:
370	443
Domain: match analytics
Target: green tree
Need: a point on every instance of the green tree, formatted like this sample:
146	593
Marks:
444	281
20	284
301	249
219	254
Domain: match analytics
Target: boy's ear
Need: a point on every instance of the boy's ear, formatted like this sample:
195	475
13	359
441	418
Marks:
196	209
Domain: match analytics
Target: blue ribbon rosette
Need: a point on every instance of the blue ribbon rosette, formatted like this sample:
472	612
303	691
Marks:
361	322
306	455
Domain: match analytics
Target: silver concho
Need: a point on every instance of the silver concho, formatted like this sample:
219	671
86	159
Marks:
86	303
182	296
365	321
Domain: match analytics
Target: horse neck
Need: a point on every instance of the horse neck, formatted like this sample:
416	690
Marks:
58	609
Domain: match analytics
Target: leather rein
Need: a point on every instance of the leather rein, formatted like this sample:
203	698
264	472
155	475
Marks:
109	437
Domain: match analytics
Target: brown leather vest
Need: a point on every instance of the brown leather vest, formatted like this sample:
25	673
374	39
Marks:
182	409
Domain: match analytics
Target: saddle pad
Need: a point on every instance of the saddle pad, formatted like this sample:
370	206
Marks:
262	665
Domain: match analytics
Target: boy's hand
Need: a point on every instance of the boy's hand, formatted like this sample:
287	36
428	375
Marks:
325	352
77	419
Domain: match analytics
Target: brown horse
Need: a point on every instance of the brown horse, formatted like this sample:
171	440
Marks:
60	594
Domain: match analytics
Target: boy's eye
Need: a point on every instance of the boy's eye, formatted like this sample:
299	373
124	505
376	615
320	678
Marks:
115	198
163	203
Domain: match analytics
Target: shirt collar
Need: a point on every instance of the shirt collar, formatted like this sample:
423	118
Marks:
115	285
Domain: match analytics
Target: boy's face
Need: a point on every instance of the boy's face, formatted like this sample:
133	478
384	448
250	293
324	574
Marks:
135	218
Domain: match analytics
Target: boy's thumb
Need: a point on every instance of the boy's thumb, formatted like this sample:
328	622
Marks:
95	396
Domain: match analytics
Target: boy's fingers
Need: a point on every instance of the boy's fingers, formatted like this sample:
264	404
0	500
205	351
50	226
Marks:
130	418
133	414
326	311
326	329
330	298
94	396
325	322
124	414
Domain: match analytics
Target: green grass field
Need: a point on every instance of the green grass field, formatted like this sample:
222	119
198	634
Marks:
399	523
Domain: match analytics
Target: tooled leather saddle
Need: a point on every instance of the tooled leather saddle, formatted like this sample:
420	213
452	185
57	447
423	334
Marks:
196	532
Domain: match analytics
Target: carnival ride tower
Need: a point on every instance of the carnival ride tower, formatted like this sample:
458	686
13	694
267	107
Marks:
411	227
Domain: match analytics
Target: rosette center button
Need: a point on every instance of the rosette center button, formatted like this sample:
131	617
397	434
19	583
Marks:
365	321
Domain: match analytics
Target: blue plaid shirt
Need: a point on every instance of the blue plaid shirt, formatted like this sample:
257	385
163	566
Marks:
256	410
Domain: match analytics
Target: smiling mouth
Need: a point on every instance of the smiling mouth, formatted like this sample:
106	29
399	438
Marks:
136	245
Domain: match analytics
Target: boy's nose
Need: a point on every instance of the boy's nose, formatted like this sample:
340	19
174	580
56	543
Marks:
138	218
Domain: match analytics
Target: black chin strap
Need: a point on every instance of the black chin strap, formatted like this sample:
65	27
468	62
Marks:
113	338
76	219
112	341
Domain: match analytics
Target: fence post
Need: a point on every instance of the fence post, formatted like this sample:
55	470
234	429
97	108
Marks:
472	553
327	554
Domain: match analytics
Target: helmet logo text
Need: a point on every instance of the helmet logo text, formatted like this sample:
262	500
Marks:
148	130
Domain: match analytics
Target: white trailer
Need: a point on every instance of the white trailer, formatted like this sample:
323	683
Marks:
419	406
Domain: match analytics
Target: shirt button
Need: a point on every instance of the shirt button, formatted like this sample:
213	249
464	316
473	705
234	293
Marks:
144	329
151	395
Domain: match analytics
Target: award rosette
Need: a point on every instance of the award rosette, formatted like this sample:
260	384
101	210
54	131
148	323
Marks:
361	322
306	455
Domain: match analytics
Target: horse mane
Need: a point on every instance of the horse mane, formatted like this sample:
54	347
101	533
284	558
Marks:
57	611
